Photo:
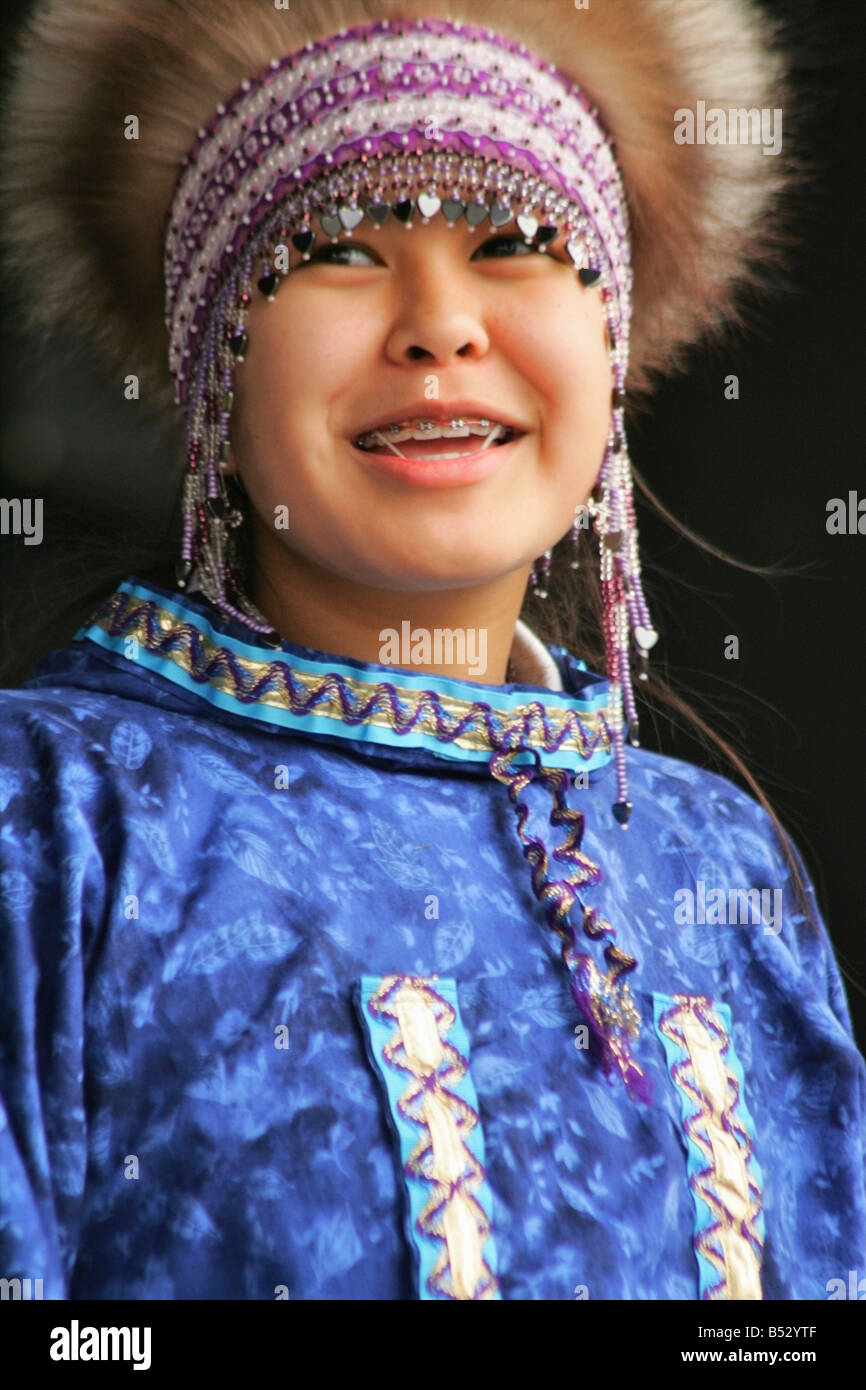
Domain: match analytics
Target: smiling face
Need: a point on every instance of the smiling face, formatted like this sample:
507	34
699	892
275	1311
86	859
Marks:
385	322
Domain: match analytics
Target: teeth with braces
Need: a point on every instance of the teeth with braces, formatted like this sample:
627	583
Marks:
459	428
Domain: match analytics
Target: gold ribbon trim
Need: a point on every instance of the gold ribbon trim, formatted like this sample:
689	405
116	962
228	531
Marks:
726	1185
441	1156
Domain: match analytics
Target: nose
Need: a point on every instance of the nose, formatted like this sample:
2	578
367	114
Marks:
437	319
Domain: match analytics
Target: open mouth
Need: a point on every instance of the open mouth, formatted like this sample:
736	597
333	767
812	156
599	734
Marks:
417	438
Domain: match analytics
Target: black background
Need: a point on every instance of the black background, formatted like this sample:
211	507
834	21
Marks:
753	476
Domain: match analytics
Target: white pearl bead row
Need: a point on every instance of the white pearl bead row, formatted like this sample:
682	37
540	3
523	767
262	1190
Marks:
355	62
612	221
556	147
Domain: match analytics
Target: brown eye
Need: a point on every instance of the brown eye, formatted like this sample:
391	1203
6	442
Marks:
510	246
334	252
512	239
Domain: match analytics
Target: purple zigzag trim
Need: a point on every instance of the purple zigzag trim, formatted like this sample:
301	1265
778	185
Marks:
119	612
682	1073
558	896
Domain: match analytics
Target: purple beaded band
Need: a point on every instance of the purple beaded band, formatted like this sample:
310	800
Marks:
380	90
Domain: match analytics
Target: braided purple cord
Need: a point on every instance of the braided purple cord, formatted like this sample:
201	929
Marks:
603	999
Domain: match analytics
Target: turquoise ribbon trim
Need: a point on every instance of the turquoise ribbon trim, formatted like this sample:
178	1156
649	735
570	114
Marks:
743	1112
378	1032
696	1161
501	702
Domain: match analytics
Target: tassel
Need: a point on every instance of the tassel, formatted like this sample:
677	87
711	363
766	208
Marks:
604	999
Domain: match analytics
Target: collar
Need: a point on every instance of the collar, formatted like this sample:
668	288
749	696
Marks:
531	661
558	708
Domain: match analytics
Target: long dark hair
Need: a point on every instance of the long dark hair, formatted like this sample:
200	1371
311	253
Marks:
572	617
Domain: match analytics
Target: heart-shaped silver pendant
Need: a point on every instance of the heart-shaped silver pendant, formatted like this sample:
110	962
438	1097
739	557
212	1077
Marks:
350	218
403	210
646	638
576	250
378	213
500	214
428	204
331	226
546	234
303	241
476	214
528	225
452	210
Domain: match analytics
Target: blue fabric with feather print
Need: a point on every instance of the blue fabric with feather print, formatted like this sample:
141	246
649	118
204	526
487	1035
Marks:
187	1107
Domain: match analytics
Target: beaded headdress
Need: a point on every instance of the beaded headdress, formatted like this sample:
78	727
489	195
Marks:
300	123
344	133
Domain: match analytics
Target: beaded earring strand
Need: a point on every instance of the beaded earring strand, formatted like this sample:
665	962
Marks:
611	505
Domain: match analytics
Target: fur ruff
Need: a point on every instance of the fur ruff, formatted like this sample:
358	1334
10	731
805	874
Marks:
84	209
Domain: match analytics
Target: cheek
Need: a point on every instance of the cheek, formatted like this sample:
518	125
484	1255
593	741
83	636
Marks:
278	390
273	369
559	345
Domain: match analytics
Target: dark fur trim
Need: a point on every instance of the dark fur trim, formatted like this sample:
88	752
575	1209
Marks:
85	208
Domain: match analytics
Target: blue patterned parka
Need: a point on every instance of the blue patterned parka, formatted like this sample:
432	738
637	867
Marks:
291	1010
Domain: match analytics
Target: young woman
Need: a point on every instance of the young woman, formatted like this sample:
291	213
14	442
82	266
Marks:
328	970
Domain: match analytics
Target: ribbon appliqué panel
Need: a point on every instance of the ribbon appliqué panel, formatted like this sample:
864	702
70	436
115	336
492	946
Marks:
420	1049
723	1172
